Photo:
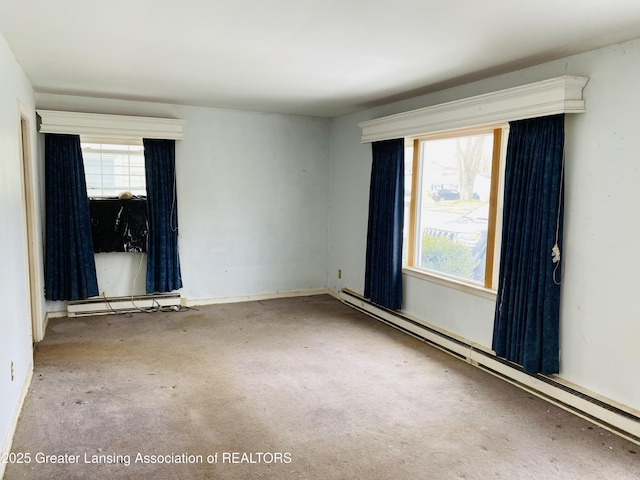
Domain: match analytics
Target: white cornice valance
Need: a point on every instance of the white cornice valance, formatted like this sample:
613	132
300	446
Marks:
119	127
548	97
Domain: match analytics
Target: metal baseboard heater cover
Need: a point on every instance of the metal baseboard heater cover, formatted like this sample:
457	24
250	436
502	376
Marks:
131	303
600	411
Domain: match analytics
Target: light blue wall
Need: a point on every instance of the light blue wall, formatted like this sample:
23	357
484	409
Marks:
15	320
252	201
600	326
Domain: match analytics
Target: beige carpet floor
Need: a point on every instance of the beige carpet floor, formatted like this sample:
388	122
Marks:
301	388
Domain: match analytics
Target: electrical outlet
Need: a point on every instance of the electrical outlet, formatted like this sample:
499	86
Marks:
12	370
339	273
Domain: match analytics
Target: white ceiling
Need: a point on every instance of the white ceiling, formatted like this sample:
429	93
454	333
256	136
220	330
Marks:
309	57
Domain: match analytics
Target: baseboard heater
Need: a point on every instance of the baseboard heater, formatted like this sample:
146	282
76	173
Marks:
107	305
603	412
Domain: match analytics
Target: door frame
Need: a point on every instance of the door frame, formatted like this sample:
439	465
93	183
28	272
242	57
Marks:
31	227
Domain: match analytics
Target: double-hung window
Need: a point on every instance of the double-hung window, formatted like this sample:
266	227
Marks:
452	203
113	169
116	187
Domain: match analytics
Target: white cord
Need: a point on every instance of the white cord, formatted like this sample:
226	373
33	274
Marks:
555	251
174	228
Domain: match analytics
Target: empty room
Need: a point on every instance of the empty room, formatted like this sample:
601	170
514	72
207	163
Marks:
319	240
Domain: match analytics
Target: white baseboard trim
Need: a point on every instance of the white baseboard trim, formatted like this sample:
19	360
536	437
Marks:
8	441
334	293
48	316
58	314
606	413
253	297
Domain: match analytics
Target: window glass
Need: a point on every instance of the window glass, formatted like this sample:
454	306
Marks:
111	170
450	210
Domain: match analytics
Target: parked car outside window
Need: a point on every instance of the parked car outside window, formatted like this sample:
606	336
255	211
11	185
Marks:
446	194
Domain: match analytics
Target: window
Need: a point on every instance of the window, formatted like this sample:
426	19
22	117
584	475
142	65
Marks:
118	223
112	169
451	205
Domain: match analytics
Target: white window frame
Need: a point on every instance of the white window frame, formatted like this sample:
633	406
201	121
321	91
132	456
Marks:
105	149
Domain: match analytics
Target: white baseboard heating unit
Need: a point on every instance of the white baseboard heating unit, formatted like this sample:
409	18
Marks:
132	303
603	412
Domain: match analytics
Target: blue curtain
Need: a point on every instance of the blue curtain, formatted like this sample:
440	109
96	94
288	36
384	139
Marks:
70	270
527	317
163	264
383	270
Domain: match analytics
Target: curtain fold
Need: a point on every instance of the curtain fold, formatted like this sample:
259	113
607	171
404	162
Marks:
383	269
163	264
70	270
527	317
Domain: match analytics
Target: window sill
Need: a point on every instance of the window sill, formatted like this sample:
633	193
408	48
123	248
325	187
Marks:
450	283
